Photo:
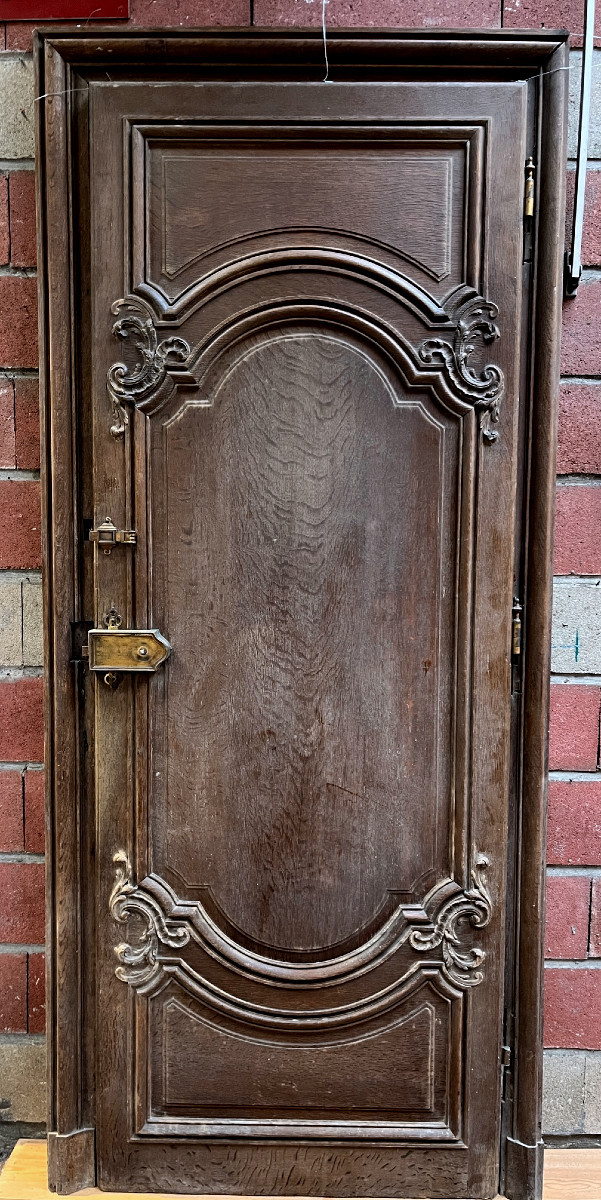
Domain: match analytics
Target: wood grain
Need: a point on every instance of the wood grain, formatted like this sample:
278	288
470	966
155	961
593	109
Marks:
304	604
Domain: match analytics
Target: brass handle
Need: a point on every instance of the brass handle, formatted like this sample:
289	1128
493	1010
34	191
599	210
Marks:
115	649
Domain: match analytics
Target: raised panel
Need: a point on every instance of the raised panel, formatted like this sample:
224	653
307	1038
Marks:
211	199
212	196
212	1072
301	507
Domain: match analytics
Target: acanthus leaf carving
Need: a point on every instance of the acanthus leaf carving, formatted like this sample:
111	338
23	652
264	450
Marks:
474	905
476	318
130	386
139	964
467	318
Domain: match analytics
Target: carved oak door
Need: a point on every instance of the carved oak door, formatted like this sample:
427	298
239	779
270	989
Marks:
304	356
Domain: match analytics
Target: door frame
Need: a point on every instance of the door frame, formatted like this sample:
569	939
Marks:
63	62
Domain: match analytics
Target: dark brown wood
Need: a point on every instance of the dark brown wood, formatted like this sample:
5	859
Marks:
295	834
60	549
524	1145
72	1160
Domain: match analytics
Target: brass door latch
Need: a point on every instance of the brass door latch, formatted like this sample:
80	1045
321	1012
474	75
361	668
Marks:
126	649
107	535
113	649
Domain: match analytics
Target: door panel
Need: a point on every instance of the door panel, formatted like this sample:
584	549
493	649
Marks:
302	817
287	520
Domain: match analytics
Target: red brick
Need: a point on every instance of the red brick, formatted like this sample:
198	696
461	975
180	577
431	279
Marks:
7	423
19	34
580	341
579	449
548	14
573	1008
591	232
22	219
574	823
379	12
578	531
21	721
20	537
34	812
159	13
18	321
36	993
11	811
4	222
190	12
13	993
22	908
568	904
27	424
574	727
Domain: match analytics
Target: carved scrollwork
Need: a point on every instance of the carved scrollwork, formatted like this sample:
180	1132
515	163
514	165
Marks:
474	905
139	964
485	390
172	923
130	386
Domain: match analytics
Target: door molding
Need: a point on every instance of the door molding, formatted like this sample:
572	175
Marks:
172	924
441	362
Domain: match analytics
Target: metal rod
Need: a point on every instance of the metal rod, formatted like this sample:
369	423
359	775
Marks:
573	264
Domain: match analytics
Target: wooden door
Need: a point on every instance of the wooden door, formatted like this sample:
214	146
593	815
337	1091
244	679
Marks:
302	339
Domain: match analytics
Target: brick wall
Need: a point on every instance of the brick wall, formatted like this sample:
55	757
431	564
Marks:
573	987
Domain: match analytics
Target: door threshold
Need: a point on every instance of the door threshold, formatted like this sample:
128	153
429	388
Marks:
569	1175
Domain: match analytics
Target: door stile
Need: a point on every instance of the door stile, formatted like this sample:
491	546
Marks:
460	848
143	749
490	730
527	382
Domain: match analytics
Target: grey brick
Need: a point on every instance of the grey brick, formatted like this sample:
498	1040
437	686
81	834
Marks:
23	1078
16	109
594	141
563	1091
11	648
33	641
592	1093
576	627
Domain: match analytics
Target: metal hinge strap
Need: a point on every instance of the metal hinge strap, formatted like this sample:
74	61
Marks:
529	190
516	629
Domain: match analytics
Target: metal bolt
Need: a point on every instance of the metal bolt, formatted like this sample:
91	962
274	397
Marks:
142	651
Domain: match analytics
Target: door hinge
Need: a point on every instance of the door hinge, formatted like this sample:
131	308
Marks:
529	190
107	535
516	629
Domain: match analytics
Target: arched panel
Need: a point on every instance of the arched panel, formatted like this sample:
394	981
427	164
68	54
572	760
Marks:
306	523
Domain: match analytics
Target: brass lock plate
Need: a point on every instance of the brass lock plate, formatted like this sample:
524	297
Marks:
126	649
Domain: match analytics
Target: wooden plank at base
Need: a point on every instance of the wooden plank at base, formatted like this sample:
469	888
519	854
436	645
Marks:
569	1175
572	1175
